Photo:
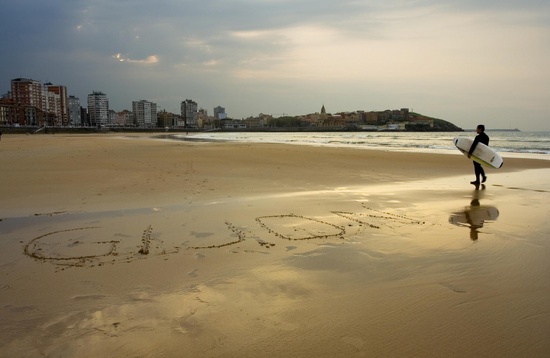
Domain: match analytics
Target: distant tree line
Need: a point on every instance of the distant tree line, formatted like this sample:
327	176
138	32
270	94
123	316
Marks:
287	121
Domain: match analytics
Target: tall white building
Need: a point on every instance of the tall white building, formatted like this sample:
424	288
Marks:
98	108
190	113
145	113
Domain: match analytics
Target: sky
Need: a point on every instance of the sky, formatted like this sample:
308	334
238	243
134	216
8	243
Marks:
464	61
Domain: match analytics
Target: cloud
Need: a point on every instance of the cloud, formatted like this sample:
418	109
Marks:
146	61
255	56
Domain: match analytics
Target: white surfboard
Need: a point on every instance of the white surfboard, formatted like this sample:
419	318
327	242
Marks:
482	154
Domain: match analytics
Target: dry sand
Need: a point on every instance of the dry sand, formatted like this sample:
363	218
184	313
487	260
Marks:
130	247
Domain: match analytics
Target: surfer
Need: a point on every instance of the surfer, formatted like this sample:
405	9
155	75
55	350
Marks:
481	137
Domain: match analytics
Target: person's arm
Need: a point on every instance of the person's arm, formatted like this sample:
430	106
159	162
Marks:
473	147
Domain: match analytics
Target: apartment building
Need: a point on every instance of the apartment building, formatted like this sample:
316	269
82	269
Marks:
33	103
73	110
57	104
124	118
98	109
219	112
27	99
190	113
145	113
27	91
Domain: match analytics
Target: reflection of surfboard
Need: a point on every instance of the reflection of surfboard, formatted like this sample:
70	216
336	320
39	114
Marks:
474	216
482	153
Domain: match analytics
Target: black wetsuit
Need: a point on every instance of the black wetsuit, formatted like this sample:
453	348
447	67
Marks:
478	169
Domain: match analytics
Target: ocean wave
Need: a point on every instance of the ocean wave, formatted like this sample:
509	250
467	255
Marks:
528	143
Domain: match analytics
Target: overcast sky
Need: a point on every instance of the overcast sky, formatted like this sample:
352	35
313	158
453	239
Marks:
465	61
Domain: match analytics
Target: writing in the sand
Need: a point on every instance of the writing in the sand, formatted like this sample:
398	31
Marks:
79	246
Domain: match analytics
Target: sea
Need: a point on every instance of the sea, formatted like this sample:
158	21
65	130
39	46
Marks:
508	143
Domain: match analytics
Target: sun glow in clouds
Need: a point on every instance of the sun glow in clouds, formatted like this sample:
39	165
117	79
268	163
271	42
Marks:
149	60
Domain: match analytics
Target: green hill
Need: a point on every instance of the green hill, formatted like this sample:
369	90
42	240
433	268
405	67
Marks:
438	124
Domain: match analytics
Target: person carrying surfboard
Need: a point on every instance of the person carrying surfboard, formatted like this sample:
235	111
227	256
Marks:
481	137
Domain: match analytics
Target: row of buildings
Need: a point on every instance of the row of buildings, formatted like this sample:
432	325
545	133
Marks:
32	103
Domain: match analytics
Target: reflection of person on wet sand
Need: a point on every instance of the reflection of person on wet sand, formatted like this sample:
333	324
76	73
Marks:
475	215
474	224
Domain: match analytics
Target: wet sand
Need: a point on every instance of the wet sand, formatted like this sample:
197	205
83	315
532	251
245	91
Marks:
124	247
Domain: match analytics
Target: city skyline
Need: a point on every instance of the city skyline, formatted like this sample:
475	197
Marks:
465	62
32	103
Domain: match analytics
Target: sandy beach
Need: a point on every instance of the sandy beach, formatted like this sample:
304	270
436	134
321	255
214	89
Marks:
129	246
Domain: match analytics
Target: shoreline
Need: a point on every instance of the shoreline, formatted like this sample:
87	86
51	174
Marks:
361	145
193	136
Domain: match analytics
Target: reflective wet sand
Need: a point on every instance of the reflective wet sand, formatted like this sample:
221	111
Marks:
271	255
